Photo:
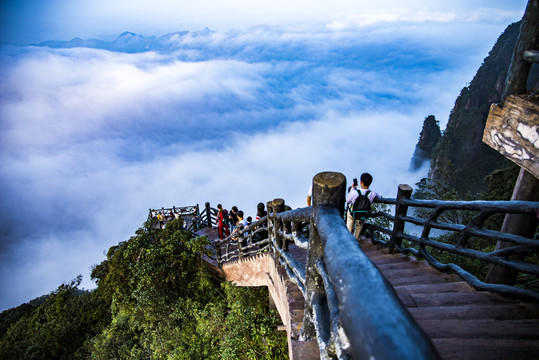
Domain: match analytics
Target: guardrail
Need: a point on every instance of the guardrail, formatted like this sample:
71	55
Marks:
181	210
473	230
206	218
187	213
351	309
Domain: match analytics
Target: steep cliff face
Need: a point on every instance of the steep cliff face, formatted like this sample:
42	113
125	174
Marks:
428	139
461	144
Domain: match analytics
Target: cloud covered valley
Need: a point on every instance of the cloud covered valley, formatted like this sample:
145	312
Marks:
96	133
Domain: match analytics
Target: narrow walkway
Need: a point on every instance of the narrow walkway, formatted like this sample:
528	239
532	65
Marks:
461	322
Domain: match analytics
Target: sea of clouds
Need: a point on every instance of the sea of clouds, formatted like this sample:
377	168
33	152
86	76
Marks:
93	134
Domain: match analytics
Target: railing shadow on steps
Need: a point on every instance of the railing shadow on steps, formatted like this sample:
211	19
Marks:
350	308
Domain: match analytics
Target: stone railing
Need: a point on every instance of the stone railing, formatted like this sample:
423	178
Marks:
468	234
350	308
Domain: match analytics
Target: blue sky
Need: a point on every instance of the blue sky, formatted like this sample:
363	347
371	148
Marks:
246	105
29	21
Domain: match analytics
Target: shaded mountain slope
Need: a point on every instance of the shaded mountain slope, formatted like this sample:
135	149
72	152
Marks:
461	144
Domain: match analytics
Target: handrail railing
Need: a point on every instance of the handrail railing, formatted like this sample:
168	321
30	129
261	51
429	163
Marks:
204	219
247	241
187	213
181	210
473	229
351	310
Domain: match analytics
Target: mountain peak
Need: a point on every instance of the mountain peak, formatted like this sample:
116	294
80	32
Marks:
129	34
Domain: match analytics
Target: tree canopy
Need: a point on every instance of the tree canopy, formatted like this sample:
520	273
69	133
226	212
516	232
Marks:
154	299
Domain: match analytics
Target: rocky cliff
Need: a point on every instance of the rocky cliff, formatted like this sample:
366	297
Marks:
428	139
461	145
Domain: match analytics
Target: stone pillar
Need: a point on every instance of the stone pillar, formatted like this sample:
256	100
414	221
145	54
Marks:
404	192
241	240
278	206
208	214
328	190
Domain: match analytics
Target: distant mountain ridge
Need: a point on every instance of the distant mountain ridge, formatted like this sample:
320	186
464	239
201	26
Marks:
129	42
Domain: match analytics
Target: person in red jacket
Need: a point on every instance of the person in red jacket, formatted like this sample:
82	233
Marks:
222	222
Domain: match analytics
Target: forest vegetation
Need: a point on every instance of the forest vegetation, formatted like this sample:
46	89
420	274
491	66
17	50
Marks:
154	299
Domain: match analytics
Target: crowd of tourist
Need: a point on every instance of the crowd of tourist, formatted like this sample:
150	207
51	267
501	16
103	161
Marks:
228	223
163	216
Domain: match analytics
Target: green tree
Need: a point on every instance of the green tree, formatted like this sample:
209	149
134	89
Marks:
59	328
166	305
155	299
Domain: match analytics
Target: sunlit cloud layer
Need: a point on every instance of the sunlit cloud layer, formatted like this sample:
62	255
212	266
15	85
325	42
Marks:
95	135
31	21
386	17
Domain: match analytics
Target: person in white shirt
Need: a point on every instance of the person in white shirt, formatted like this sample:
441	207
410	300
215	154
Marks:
353	194
242	221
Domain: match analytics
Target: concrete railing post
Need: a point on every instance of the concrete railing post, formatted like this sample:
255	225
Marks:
278	206
404	192
208	214
328	190
241	240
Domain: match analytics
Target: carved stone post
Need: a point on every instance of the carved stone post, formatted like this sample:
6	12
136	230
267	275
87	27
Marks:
287	228
208	214
328	190
241	240
297	228
269	223
404	192
278	206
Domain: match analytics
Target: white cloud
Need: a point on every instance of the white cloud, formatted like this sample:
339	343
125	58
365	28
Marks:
407	16
84	93
92	139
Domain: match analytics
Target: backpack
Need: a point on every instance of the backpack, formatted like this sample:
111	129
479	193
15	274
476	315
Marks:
225	217
361	208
